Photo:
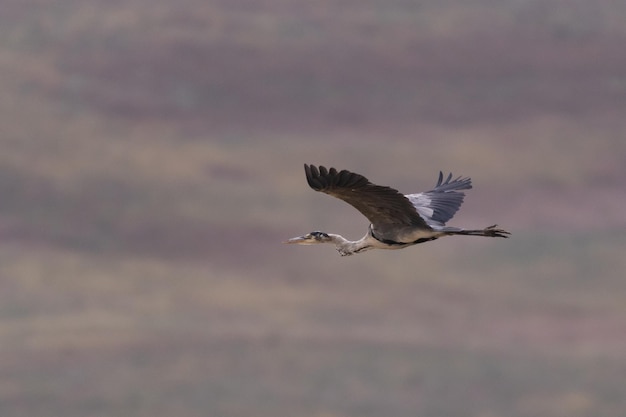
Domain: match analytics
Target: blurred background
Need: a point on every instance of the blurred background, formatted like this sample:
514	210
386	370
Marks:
151	165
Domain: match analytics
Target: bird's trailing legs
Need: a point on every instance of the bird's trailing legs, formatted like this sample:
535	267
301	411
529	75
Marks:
491	231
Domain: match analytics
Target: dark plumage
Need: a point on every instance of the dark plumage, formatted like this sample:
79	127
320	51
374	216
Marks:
381	205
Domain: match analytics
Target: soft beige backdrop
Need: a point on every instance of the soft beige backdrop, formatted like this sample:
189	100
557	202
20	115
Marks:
151	165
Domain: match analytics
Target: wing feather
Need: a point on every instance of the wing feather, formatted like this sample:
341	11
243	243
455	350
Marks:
441	203
386	208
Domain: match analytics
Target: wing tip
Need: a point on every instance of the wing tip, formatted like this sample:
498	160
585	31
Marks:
312	176
320	178
459	183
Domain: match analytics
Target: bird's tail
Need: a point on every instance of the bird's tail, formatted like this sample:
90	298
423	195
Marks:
491	231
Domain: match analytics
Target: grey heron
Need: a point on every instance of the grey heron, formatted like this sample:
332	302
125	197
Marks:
396	220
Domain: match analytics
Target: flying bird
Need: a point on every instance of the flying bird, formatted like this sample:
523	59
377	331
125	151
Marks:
396	220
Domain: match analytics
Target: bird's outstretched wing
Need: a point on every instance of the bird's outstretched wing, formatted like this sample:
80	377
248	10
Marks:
386	208
439	205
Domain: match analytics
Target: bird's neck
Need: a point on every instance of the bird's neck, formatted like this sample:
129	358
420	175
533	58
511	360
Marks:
348	247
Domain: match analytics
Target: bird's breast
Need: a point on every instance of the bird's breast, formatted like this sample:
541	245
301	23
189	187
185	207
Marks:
403	236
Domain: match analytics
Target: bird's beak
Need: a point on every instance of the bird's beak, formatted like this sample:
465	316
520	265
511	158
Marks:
298	240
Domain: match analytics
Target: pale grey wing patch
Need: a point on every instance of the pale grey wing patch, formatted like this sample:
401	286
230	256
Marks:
421	202
440	204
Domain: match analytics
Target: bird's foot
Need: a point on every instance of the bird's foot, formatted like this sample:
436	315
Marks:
494	231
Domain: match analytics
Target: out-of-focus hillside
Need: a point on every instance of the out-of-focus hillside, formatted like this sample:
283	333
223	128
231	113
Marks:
152	164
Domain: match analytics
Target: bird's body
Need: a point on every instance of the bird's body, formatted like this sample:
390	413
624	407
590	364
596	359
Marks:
397	220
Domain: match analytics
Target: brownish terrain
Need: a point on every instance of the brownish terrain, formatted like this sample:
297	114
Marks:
151	165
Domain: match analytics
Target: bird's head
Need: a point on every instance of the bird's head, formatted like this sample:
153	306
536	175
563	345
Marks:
310	239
